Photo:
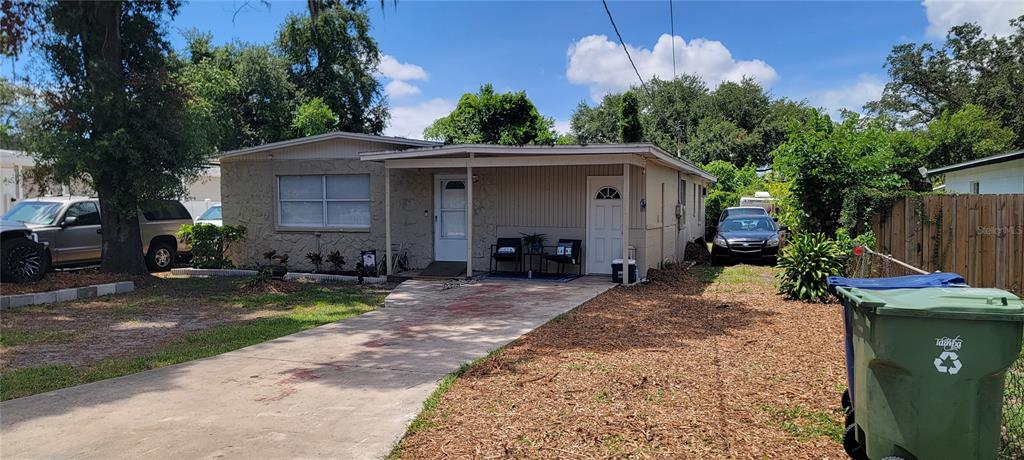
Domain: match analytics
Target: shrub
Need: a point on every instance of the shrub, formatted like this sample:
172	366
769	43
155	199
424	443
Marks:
210	242
806	262
317	259
336	260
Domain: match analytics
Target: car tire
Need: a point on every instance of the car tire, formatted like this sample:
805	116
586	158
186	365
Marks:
161	257
23	261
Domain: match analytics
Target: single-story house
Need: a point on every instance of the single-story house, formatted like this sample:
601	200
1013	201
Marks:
1001	173
351	192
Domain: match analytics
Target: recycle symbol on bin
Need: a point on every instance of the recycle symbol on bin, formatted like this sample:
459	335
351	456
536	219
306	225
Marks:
940	363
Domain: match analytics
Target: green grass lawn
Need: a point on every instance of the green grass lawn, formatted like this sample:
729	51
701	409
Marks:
309	306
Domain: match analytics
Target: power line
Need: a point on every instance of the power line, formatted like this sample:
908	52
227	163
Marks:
623	43
672	28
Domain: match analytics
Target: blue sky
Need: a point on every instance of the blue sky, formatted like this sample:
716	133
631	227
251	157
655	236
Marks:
561	53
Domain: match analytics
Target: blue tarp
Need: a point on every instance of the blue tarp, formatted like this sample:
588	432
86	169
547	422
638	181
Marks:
938	279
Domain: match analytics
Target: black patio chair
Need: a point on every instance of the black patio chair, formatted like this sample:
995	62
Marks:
507	250
567	252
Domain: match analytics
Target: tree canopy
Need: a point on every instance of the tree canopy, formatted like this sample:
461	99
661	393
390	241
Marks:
487	117
331	55
737	122
969	68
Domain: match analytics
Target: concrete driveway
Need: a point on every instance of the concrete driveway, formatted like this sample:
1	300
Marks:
343	390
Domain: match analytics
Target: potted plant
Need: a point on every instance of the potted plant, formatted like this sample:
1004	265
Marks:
534	242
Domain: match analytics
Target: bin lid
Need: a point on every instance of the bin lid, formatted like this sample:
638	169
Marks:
938	279
619	261
964	303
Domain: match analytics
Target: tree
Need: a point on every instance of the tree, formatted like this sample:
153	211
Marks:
313	117
333	56
827	161
737	122
965	135
629	119
247	88
116	116
597	125
970	68
488	117
18	105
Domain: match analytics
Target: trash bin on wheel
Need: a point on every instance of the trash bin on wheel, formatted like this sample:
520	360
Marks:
929	367
937	279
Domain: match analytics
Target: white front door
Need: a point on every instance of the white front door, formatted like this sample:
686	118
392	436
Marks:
450	218
604	222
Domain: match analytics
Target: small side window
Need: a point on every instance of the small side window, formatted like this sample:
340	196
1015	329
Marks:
165	210
85	213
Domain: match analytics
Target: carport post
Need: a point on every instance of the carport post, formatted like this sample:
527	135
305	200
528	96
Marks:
469	217
387	220
625	224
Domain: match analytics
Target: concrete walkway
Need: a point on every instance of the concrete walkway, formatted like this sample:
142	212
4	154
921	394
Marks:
343	390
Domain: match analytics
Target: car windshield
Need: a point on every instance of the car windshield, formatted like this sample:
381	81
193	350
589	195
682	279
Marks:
748	224
211	214
34	212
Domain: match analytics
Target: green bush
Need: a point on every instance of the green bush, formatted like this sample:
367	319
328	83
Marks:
209	243
806	262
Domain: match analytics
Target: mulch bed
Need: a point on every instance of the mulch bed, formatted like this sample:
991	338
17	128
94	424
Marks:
673	369
73	279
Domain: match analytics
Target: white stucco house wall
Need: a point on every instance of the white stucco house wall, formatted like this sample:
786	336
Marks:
996	174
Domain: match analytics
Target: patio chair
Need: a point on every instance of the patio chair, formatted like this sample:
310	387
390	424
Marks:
507	250
567	252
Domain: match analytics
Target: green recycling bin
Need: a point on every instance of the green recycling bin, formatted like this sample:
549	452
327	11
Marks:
929	370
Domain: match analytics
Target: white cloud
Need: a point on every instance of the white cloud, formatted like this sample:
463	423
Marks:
391	68
399	88
410	120
993	16
600	63
850	96
563	126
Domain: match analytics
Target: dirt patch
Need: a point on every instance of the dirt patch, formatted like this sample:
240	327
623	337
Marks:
73	279
676	369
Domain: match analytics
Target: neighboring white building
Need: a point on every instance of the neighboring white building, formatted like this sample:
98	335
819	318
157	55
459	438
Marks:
997	174
16	184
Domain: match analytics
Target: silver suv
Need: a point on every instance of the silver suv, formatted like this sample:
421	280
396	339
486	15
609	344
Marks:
70	229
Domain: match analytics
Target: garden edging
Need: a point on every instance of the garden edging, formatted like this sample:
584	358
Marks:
314	277
64	295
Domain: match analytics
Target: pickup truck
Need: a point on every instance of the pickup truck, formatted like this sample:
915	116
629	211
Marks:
23	258
69	227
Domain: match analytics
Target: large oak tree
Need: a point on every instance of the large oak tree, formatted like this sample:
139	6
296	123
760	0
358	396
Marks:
115	115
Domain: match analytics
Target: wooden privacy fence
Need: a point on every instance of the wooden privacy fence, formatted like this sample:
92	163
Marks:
981	237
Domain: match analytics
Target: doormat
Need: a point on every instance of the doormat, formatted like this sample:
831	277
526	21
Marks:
444	269
549	277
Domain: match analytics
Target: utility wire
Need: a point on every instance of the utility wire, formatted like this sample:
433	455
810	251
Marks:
623	43
672	28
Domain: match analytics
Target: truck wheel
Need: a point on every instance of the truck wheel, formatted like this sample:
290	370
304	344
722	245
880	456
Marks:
23	260
160	257
851	446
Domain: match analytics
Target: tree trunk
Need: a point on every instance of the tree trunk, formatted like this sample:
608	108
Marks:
122	239
103	56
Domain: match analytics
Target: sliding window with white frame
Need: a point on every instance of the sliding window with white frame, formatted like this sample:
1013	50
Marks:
329	202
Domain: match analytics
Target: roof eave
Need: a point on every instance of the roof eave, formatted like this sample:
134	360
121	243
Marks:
415	143
994	159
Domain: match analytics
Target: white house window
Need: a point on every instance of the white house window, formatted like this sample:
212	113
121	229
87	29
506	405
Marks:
334	201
